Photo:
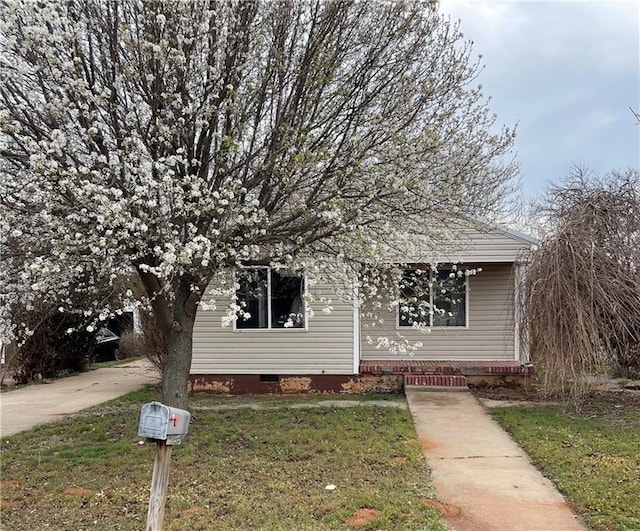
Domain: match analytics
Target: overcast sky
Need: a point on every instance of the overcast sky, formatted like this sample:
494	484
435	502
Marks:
567	71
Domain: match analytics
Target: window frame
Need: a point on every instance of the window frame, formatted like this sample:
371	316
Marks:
431	326
270	328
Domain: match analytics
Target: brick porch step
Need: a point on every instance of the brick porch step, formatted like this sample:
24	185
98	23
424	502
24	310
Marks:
435	380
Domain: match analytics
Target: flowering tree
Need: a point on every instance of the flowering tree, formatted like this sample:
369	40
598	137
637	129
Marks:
175	139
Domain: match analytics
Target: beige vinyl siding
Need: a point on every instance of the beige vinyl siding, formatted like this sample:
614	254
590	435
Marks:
490	333
469	245
489	246
326	347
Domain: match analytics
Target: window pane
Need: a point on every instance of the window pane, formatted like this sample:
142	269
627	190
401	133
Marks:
287	308
449	299
252	297
414	304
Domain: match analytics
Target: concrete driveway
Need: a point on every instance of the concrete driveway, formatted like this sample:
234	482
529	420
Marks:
24	408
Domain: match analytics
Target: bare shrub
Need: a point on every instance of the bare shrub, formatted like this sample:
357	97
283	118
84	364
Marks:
59	344
131	345
148	344
9	352
581	294
154	344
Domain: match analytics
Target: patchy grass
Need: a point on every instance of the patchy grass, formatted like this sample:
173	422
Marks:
111	363
593	457
239	469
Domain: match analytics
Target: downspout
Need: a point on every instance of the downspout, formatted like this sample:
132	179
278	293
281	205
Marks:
356	327
520	347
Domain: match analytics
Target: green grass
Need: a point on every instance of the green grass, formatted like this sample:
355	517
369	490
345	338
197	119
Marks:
593	458
238	469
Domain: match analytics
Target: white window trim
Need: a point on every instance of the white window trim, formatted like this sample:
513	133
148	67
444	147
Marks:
466	308
305	328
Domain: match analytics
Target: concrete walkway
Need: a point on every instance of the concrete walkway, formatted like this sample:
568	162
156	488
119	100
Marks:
480	472
24	408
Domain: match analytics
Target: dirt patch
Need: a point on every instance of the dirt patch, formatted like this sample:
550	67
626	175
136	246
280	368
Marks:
447	511
196	509
423	443
77	491
489	402
616	406
4	504
592	399
426	444
398	459
362	517
10	483
504	394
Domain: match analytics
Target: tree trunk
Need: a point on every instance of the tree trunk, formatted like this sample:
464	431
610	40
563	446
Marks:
175	318
179	344
175	377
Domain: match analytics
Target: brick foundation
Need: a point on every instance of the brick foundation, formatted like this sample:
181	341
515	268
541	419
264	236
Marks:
435	373
380	376
467	368
239	384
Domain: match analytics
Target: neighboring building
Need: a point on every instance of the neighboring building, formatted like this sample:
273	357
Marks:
280	349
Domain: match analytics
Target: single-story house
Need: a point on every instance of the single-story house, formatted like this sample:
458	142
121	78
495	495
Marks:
280	349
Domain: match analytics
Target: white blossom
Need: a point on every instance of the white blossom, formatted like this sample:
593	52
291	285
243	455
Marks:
173	173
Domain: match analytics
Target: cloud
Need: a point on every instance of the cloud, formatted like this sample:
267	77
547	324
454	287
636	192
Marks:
567	72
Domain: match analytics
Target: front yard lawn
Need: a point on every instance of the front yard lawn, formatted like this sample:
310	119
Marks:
238	469
593	457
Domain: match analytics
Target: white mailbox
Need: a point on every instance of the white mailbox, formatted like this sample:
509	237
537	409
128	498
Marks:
163	423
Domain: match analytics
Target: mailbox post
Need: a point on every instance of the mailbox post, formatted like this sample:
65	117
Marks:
166	426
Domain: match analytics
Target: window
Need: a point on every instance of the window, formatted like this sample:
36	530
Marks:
270	298
433	298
